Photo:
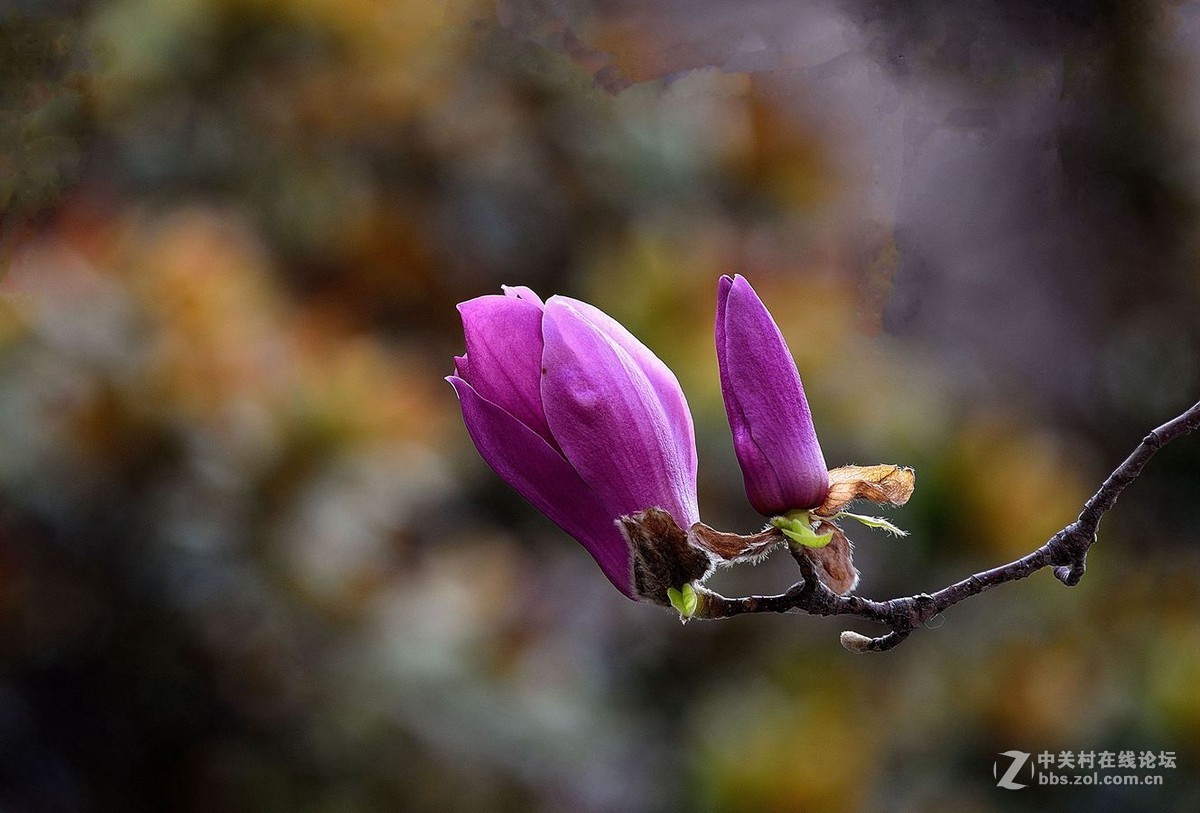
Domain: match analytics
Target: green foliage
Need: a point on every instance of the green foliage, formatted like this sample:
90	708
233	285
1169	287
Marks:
797	527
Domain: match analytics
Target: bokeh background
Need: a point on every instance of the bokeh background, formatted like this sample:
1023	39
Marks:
250	561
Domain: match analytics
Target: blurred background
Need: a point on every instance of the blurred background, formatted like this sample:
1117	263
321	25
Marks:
250	561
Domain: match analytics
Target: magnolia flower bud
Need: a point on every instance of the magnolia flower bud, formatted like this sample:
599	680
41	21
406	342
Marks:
578	416
773	432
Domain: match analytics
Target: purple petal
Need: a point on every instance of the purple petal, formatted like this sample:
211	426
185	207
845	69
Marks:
504	345
609	420
522	292
460	367
662	381
723	286
540	474
773	432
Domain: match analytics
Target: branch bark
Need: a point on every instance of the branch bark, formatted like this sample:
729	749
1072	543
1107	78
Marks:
1065	552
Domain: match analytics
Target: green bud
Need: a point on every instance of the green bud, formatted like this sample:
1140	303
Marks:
684	601
797	526
690	600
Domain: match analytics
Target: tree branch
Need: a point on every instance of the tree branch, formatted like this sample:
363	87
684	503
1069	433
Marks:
1066	552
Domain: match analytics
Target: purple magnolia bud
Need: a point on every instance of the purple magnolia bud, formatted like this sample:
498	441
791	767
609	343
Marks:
578	416
773	433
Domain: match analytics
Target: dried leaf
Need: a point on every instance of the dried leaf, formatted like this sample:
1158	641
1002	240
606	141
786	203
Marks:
879	484
662	557
833	562
731	549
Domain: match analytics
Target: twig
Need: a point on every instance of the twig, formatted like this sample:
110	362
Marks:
1066	552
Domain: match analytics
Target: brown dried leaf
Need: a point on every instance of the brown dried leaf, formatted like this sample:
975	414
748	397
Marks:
834	563
734	548
879	484
662	557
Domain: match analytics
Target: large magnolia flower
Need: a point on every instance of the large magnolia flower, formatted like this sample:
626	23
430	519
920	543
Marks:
579	417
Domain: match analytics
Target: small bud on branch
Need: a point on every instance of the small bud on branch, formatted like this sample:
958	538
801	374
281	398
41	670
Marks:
1066	552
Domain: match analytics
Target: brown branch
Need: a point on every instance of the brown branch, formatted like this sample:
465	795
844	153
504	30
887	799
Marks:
1066	552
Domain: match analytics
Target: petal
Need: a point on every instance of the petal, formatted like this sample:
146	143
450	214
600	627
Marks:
504	345
662	380
772	427
521	292
541	475
610	421
723	286
879	484
460	367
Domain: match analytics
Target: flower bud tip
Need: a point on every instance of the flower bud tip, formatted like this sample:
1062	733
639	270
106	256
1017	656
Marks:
855	642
